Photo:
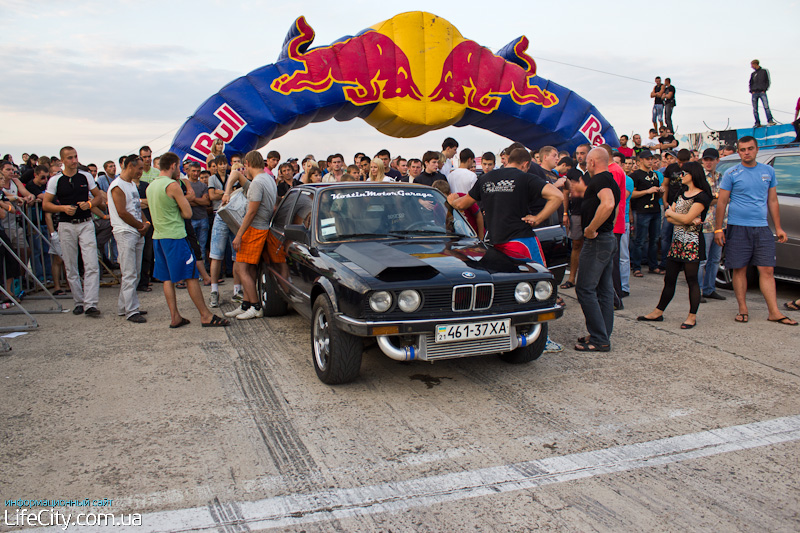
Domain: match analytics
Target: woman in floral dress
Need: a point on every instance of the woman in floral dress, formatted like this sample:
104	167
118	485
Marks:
687	249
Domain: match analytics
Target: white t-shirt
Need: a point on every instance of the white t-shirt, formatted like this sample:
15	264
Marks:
447	168
461	180
132	205
647	143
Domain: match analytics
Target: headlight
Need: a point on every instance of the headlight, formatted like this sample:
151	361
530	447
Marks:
544	290
380	302
523	292
409	301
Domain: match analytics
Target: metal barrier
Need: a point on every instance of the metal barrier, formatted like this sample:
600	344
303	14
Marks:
28	244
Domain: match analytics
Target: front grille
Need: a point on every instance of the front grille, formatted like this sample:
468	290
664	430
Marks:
447	350
462	298
484	294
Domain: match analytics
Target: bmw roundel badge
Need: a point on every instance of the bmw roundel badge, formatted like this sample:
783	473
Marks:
468	275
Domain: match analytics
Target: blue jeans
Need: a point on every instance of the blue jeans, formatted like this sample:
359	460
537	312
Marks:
645	247
625	259
709	267
667	229
201	229
756	96
41	255
658	113
595	286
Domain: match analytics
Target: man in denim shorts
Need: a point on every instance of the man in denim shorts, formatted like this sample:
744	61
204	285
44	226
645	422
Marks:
748	190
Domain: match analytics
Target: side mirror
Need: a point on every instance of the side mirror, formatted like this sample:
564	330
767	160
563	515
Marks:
297	233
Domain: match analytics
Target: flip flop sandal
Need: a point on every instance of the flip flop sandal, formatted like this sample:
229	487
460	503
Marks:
786	321
567	285
180	285
793	305
217	322
183	322
745	318
589	347
638	274
60	292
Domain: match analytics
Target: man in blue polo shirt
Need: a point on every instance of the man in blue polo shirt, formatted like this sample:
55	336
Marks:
749	191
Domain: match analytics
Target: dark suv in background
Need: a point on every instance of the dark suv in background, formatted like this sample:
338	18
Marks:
786	162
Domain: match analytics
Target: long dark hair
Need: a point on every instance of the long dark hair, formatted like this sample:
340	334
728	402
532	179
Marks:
698	174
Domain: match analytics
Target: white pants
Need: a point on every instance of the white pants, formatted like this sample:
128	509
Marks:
625	259
72	236
129	254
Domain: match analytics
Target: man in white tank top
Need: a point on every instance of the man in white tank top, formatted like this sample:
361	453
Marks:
124	208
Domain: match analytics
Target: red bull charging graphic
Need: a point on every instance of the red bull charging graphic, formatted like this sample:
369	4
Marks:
405	76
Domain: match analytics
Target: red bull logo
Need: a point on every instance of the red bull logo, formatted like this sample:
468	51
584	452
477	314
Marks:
591	129
472	75
371	66
230	124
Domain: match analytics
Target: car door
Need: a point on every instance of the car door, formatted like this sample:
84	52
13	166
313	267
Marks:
301	262
787	172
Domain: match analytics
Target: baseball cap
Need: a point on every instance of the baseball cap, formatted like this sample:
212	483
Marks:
670	152
710	153
645	154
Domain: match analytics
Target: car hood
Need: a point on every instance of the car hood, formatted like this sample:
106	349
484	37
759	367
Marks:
456	261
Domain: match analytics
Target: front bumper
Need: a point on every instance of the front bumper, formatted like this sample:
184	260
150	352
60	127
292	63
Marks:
419	343
375	328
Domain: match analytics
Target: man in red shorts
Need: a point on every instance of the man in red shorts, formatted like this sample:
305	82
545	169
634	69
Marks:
252	234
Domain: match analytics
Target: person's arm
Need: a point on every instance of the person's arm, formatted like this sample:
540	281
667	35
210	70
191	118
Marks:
722	207
97	211
565	218
671	144
460	202
252	211
639	194
665	193
119	199
202	201
239	178
189	191
554	199
775	214
175	192
48	205
685	219
23	193
604	210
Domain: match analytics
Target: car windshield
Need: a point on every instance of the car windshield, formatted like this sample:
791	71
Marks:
387	211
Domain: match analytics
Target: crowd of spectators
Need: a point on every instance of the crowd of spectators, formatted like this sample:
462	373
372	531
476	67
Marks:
66	220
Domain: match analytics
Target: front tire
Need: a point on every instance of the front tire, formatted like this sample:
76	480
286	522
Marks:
272	302
336	354
526	354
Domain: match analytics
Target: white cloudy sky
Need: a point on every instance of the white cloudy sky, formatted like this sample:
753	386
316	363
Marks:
107	77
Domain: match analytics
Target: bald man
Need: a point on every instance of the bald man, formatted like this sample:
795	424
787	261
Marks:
595	286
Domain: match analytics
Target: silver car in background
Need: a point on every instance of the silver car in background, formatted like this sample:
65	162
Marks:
786	162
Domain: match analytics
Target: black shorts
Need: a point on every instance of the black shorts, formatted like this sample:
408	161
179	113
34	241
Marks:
748	245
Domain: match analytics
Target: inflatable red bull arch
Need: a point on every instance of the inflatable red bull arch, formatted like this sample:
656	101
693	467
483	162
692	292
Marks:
406	76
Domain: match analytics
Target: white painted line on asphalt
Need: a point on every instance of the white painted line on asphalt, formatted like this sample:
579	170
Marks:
396	496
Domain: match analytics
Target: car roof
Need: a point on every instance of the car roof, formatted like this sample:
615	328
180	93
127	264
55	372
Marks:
768	152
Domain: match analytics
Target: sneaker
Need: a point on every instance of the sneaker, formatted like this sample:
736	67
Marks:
214	301
137	318
552	347
703	300
78	310
235	312
238	297
251	312
715	296
757	125
772	123
93	312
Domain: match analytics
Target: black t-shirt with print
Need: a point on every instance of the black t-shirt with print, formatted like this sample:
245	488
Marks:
505	195
641	182
669	95
666	139
591	200
425	178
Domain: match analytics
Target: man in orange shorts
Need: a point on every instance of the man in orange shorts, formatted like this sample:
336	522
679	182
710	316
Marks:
252	234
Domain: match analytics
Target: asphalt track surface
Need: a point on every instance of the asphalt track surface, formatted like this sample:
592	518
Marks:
230	430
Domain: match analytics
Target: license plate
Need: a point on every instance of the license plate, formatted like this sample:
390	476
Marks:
472	330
